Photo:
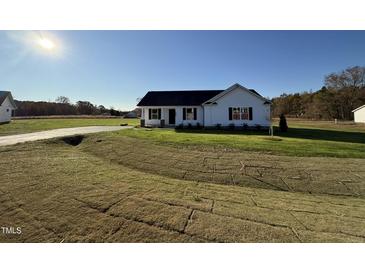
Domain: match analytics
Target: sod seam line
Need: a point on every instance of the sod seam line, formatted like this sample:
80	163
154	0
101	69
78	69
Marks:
153	224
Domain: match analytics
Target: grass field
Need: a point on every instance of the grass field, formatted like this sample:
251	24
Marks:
301	140
162	186
33	125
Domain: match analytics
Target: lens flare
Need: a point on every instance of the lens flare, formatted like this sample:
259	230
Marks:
46	43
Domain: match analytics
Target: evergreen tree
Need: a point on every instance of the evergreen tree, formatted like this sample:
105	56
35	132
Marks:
282	123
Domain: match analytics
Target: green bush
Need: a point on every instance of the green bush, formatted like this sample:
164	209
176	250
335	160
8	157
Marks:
179	126
231	126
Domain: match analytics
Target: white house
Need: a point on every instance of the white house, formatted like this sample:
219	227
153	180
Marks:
131	114
235	105
7	106
359	114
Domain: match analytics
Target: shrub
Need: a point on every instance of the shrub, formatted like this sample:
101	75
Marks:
245	126
282	123
231	126
190	126
218	126
198	126
179	126
258	127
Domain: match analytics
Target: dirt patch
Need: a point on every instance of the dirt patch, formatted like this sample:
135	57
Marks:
73	140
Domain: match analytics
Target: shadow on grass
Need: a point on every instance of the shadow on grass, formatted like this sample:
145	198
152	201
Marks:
322	134
300	133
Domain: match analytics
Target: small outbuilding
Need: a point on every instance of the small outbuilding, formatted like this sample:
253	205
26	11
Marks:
359	114
7	106
131	114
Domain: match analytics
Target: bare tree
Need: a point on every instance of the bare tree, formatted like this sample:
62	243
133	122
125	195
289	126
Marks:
344	91
353	77
63	100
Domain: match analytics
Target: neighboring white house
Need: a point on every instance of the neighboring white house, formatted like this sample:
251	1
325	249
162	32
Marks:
7	106
235	105
359	114
131	114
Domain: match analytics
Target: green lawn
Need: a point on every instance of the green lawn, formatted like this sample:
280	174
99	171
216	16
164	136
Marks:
300	140
33	125
304	138
347	126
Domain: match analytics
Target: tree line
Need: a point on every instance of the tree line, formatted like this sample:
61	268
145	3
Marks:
63	106
343	92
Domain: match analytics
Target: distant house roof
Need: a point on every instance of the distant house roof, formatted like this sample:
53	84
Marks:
131	114
4	95
181	97
177	97
356	109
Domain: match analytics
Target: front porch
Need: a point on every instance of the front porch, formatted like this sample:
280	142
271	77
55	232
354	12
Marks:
158	117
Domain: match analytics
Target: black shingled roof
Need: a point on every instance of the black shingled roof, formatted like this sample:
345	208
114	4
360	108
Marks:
177	97
3	95
180	97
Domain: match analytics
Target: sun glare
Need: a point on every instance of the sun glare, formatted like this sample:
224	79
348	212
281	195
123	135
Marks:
46	43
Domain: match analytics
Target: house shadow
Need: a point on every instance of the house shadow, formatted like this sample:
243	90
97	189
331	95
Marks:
323	134
300	133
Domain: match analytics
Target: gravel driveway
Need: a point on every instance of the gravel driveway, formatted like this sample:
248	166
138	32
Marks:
61	132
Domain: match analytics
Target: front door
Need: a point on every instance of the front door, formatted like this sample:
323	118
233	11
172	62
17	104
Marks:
172	114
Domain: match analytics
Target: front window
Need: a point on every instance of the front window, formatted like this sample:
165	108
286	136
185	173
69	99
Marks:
154	114
189	114
244	114
236	113
240	113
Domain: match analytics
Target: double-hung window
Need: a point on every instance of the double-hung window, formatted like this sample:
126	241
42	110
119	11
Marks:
189	113
245	113
240	113
236	113
154	114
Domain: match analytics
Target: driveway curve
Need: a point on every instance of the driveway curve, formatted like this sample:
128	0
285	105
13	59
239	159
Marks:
54	133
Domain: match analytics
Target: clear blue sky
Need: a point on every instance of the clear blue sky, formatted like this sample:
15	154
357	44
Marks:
113	68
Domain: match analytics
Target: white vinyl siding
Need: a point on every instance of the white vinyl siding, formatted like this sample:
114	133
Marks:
241	99
6	110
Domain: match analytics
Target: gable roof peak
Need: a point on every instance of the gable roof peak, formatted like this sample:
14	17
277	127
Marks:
4	95
233	87
356	109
